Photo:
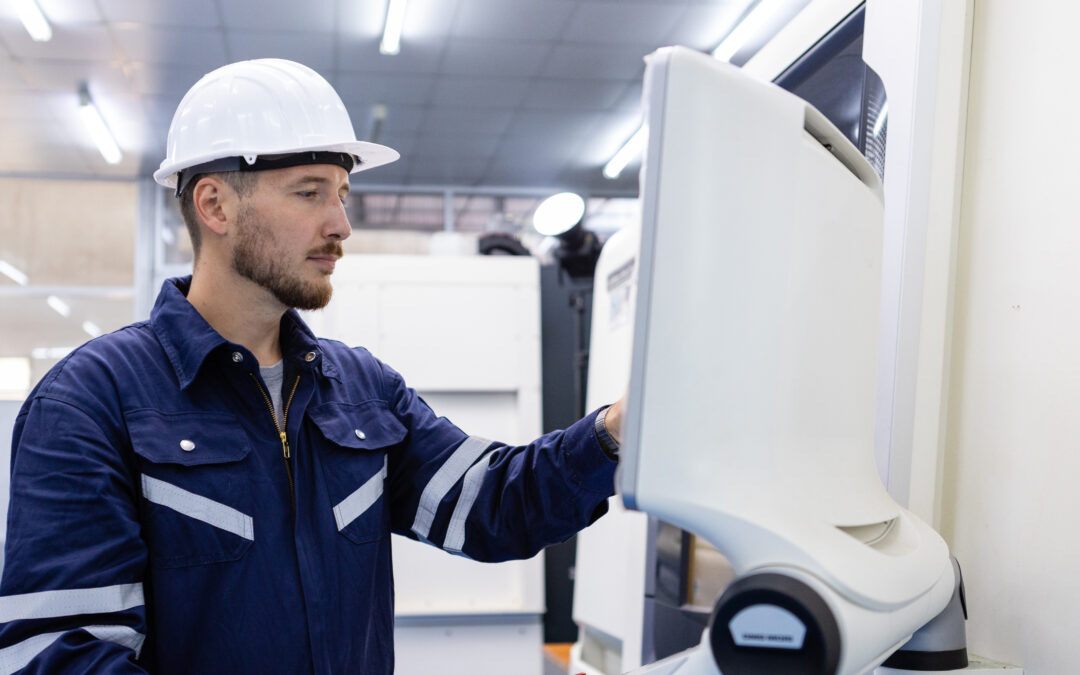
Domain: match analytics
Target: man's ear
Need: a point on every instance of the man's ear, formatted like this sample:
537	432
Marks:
215	204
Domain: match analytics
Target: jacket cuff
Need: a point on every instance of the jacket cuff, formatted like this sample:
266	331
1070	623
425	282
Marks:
593	469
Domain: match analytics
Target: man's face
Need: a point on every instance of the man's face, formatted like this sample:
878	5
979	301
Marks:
289	232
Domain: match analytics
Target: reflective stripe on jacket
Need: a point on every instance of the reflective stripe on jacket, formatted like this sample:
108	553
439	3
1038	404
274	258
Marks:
156	525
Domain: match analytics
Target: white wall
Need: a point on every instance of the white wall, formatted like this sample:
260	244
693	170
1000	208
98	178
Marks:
1010	500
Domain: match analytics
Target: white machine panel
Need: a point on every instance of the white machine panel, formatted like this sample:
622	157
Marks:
464	331
610	569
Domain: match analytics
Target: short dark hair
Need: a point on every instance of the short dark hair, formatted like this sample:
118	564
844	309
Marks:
242	182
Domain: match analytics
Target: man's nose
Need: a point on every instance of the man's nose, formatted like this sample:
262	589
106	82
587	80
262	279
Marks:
337	223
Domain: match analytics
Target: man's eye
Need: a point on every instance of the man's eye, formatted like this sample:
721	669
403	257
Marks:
308	194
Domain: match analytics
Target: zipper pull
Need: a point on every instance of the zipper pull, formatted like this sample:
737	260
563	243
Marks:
284	445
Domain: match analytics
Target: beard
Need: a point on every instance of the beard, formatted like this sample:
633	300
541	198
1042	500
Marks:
255	258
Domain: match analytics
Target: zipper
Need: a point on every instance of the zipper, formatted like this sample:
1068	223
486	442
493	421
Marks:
285	450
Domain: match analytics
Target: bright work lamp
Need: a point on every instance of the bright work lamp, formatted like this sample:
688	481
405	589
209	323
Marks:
561	216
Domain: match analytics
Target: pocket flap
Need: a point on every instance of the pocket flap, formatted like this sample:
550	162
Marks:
187	438
367	426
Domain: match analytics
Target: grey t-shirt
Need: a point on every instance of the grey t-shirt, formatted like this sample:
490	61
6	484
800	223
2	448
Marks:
274	377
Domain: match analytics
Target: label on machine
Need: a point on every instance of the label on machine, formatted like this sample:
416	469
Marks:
767	626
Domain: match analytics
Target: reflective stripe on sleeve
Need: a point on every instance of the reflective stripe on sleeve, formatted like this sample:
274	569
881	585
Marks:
49	604
470	489
16	657
354	506
198	507
444	479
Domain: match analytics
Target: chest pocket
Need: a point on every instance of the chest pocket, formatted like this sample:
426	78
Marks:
354	462
195	487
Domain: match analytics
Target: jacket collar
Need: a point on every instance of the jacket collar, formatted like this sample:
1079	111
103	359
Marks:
188	339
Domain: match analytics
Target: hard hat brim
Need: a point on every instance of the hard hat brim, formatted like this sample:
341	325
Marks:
370	155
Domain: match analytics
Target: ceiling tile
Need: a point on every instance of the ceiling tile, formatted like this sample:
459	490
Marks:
574	94
155	79
560	127
502	92
172	46
622	22
703	27
10	75
404	144
467	120
467	145
600	145
400	119
159	111
34	106
489	57
362	19
425	20
199	13
66	76
517	172
631	97
362	55
593	62
316	54
80	42
389	89
448	171
70	11
505	19
307	16
533	148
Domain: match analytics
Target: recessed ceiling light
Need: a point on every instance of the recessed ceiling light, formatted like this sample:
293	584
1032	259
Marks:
629	151
33	20
395	19
96	127
747	28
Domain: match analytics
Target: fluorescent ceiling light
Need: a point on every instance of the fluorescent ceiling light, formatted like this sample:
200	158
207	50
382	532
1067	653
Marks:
91	329
395	19
33	20
882	116
50	352
98	130
629	151
750	26
13	273
558	213
58	305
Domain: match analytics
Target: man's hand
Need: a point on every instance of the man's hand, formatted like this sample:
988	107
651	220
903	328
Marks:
613	420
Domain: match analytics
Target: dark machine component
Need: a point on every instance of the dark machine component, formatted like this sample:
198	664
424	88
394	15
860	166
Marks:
501	243
772	623
578	251
940	644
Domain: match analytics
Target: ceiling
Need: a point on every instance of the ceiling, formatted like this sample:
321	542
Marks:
484	92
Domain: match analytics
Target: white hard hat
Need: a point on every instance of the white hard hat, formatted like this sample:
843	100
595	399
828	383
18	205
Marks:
266	108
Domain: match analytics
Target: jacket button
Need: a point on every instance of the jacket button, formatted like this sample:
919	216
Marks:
360	434
237	357
309	357
186	445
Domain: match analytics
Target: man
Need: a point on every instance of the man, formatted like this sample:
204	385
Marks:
213	490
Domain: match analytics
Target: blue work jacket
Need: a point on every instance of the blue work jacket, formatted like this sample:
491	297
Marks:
160	522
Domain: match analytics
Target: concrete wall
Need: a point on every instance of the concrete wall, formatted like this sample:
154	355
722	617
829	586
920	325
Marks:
1011	499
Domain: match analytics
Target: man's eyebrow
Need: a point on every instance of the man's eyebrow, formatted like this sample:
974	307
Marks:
319	180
